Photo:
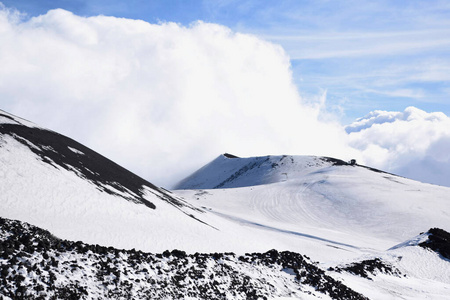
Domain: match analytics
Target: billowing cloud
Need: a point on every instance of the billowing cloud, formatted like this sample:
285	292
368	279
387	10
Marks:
412	143
160	99
164	99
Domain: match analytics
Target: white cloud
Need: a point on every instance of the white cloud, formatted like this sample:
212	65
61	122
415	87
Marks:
160	99
163	99
412	143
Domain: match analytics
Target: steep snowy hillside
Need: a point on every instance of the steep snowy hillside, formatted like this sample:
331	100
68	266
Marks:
58	184
66	154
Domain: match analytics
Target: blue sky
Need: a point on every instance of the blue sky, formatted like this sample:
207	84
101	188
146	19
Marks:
366	55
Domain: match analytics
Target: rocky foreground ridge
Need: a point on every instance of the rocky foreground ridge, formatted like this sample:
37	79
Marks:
34	264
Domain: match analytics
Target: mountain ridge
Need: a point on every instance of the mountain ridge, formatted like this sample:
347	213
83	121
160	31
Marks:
230	171
327	221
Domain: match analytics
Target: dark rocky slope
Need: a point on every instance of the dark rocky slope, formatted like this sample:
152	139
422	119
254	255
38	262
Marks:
37	265
62	152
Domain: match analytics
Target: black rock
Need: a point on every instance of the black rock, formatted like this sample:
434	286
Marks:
438	241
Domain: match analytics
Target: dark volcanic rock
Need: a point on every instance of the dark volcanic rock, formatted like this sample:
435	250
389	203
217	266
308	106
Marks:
369	267
335	161
339	162
438	241
228	155
36	265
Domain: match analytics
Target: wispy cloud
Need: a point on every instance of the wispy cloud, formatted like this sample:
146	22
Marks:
370	52
407	93
357	44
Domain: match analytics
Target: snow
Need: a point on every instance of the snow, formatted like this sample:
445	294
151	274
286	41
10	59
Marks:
412	242
346	210
330	211
224	172
346	206
75	151
66	270
71	207
342	213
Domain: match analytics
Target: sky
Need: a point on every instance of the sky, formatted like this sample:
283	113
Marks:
163	87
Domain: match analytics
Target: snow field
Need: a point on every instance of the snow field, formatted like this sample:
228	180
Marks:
330	211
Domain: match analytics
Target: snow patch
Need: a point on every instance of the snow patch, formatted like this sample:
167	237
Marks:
415	241
75	150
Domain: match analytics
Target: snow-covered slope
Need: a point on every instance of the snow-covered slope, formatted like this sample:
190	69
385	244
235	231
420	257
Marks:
229	171
321	197
345	216
342	212
58	184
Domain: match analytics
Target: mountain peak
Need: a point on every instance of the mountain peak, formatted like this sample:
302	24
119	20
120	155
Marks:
230	171
228	155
